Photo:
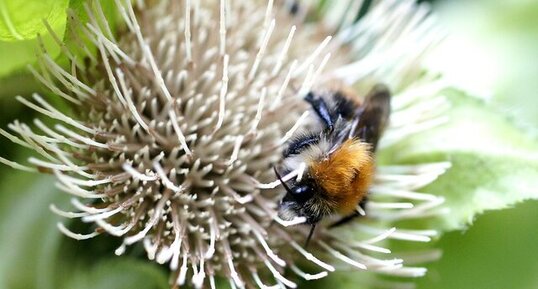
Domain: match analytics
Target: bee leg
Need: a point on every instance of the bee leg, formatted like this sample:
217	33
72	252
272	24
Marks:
344	220
356	120
312	228
349	218
321	109
364	133
300	144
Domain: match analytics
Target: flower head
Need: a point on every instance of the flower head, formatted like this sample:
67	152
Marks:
180	116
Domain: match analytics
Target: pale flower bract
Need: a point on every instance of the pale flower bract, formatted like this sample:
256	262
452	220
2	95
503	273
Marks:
181	113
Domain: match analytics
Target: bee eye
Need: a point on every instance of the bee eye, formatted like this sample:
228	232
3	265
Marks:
302	192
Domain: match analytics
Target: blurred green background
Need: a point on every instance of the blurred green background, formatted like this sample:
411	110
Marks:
496	43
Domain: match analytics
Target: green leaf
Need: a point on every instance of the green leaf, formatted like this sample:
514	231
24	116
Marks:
15	55
494	164
23	20
497	252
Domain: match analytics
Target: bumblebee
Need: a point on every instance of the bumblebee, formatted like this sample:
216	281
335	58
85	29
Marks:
337	152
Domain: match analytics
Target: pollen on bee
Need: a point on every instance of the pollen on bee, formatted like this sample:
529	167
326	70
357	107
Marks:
346	174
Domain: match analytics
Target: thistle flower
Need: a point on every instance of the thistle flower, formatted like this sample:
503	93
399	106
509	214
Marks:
181	114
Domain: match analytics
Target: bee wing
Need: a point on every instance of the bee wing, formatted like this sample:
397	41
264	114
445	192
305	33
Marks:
373	115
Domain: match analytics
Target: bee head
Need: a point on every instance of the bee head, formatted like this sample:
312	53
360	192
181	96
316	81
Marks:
302	199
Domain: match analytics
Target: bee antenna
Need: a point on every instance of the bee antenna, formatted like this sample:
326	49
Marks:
312	228
282	181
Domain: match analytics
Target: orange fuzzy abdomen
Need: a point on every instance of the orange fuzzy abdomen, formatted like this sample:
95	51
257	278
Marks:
345	175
